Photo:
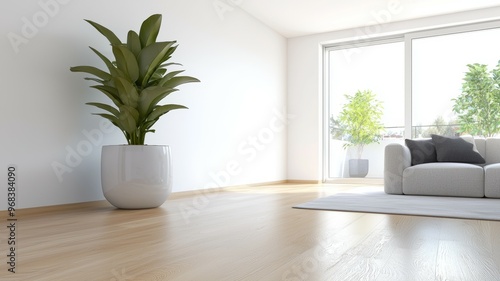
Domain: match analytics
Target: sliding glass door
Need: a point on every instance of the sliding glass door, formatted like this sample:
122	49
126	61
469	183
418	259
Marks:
374	71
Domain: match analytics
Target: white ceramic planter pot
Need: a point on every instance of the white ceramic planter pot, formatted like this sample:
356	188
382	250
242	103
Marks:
136	176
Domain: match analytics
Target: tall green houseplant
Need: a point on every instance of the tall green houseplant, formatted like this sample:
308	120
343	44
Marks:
360	120
136	80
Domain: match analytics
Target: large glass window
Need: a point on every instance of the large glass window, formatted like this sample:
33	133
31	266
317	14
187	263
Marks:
439	81
439	66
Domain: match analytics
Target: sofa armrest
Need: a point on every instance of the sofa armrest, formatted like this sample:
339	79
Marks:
397	158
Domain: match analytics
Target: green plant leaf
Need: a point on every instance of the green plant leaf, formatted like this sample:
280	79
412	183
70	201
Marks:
163	109
169	76
150	97
111	67
134	43
177	81
127	92
126	62
95	80
171	63
128	119
150	59
159	98
92	70
113	119
112	38
110	92
106	107
159	73
170	51
149	30
148	124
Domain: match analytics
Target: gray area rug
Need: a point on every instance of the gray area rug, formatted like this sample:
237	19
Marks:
374	200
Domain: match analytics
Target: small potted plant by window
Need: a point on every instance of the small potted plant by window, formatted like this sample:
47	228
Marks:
136	80
359	123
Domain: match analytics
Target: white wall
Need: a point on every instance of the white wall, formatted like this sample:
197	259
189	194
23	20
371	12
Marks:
235	114
305	81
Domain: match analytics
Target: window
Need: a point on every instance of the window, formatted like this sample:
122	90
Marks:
417	77
439	64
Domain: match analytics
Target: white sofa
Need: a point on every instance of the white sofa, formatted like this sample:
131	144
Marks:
443	178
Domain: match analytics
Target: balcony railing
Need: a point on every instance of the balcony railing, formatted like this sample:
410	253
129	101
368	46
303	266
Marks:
422	131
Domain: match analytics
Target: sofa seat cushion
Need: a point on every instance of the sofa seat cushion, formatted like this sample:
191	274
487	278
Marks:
492	180
444	179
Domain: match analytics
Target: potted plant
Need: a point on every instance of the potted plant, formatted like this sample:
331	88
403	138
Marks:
359	123
136	80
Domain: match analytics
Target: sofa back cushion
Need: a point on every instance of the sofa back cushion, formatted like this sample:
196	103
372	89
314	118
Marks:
492	149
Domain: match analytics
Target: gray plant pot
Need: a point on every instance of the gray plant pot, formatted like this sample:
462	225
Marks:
358	168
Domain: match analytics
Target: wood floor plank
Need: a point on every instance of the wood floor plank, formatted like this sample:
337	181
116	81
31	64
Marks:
247	233
463	253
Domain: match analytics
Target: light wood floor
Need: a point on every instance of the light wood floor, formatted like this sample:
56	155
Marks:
247	234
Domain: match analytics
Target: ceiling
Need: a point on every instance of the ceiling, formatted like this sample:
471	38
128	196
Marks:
293	18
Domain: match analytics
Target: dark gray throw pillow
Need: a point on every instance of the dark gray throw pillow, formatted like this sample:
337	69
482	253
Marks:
422	151
456	149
